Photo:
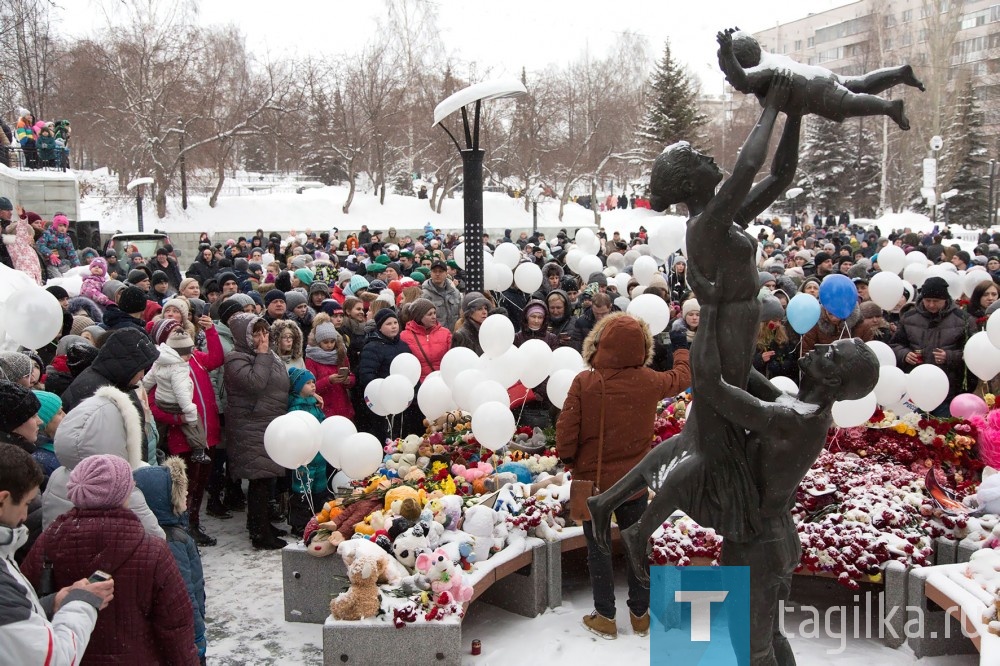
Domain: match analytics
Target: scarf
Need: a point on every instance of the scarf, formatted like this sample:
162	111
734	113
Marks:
320	356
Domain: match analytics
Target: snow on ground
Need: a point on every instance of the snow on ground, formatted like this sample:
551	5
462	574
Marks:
246	625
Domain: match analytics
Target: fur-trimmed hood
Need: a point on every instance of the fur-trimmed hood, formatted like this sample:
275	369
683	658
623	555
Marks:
618	341
280	327
84	305
241	326
165	489
107	422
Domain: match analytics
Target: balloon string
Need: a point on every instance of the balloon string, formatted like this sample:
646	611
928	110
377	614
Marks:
302	474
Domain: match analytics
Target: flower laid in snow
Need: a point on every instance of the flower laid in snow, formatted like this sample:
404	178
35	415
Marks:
678	543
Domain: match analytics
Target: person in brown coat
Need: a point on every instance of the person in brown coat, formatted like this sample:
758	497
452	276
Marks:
829	329
626	392
149	621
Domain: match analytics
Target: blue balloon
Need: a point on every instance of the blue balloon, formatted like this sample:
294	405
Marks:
838	295
803	312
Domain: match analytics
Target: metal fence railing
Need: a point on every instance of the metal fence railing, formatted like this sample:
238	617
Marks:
33	159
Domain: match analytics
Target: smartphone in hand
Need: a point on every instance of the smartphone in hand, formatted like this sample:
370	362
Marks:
343	372
99	577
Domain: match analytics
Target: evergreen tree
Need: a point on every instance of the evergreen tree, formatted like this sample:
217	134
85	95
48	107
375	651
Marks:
863	177
319	161
971	179
826	165
673	113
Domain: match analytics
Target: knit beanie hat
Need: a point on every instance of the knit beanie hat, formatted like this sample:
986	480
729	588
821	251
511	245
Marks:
136	275
257	299
419	309
319	288
57	291
935	287
111	288
600	278
161	330
181	304
96	332
49	406
19	405
298	262
241	264
65	342
870	309
382	315
764	277
325	331
80	322
132	300
185	283
304	275
473	301
14	366
60	220
294	299
180	341
228	308
331	307
274	295
690	305
297	378
358	284
242	299
100	482
535	308
159	277
79	356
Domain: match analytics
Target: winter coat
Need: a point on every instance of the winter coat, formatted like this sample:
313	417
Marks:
108	422
171	269
256	394
336	397
201	270
920	331
171	376
57	375
123	354
218	386
565	324
429	346
21	247
149	621
26	634
25	133
785	362
316	469
91	288
377	356
200	367
278	328
447	301
116	320
625	347
467	336
165	488
826	332
581	329
514	301
542	334
355	338
54	245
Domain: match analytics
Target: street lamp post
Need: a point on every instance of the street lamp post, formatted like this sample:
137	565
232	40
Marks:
472	165
137	186
991	211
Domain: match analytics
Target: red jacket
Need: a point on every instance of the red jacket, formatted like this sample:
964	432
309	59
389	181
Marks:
428	346
336	399
150	619
201	364
337	294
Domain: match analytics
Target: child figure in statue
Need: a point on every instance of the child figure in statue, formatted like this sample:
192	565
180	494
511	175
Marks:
750	69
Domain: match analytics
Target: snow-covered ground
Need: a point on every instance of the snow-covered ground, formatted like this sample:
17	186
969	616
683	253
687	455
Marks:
246	625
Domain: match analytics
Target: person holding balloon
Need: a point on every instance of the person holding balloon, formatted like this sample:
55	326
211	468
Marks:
309	478
383	345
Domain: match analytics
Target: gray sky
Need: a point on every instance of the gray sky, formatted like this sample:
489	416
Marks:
500	36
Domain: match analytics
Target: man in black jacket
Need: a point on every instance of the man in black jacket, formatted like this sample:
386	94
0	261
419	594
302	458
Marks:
121	362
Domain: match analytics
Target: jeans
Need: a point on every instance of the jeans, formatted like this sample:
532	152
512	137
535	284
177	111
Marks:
602	579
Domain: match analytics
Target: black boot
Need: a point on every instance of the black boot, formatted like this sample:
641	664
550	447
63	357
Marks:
217	509
234	498
200	537
261	535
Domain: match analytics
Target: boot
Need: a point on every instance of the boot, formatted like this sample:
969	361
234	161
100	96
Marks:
234	498
640	625
277	531
200	537
270	542
600	625
261	535
217	509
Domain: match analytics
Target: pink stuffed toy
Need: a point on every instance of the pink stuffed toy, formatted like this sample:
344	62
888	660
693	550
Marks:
470	474
444	575
989	437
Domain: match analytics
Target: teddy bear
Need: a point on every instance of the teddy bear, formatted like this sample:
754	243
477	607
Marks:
533	443
411	544
444	575
362	598
472	472
399	464
988	495
391	572
488	527
447	510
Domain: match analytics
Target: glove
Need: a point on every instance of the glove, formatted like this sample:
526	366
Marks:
678	339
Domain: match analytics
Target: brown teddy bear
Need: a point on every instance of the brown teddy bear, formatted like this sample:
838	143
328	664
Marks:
362	599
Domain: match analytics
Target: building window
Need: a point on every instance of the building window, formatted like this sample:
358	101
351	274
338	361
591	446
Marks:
798	44
907	15
811	42
922	35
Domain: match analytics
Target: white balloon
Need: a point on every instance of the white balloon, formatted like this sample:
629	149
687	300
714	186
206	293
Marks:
567	358
638	291
373	397
616	260
528	277
973	277
535	362
644	250
396	394
33	317
993	328
850	413
434	398
455	361
610	271
333	431
500	277
488	391
458	254
558	387
786	384
493	425
585	239
885	289
588	266
631	256
503	369
916	257
573	258
292	441
927	386
622	303
406	365
496	335
466	384
883	352
340	481
361	455
915	274
891	385
665	238
651	309
644	269
622	280
981	356
891	259
949	274
507	254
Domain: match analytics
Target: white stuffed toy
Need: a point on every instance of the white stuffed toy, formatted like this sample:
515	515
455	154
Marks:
392	571
988	495
481	522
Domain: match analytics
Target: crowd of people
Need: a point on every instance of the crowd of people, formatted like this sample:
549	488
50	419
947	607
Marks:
185	369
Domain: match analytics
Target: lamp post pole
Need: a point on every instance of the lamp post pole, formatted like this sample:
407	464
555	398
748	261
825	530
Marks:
138	206
991	211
